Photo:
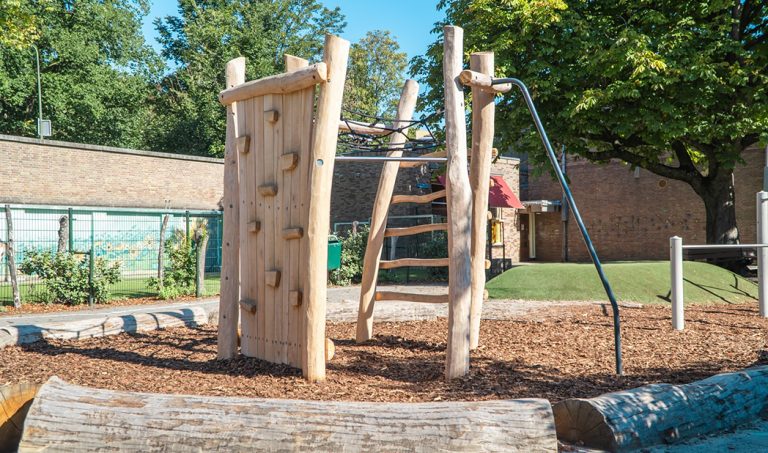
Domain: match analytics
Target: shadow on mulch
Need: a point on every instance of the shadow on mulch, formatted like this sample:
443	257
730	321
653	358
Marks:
563	354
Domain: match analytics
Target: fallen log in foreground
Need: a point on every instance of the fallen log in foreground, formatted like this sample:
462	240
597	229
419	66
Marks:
14	402
664	413
66	417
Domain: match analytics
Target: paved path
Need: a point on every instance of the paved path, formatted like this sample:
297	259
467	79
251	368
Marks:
342	307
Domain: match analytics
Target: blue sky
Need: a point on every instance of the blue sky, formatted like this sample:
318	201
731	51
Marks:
410	21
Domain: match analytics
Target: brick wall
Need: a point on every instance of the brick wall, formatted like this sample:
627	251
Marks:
509	169
632	217
59	173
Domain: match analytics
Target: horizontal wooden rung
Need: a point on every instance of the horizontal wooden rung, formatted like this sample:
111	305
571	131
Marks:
407	231
412	297
406	164
418	198
268	190
415	262
248	305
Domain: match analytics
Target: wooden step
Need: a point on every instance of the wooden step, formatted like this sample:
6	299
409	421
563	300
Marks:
418	198
412	297
407	231
414	262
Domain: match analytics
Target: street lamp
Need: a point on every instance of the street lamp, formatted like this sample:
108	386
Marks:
43	126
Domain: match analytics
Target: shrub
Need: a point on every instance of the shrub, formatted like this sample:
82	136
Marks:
65	276
179	273
352	254
435	247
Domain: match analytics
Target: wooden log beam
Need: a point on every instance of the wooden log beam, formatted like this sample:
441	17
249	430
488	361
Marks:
459	203
15	400
415	262
229	312
406	164
419	198
363	128
66	417
277	84
412	297
387	180
324	142
417	229
664	413
479	79
483	117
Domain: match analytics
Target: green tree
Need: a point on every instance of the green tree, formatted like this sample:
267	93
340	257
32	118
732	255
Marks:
204	36
18	24
95	69
376	74
675	87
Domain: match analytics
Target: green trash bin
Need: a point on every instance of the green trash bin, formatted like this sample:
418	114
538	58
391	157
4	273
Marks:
334	252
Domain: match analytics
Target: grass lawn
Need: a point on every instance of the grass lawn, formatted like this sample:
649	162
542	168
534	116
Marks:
642	281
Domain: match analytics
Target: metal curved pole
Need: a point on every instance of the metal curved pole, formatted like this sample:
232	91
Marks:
576	215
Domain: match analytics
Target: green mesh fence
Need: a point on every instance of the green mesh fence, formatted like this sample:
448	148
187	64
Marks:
128	237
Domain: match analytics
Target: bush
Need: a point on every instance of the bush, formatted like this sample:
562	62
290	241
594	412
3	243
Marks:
352	254
435	247
179	274
65	276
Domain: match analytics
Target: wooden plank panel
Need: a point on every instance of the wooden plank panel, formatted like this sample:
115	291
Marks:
259	244
247	216
271	132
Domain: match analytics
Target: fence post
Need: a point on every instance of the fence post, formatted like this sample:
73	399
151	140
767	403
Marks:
71	238
676	266
10	255
762	252
186	220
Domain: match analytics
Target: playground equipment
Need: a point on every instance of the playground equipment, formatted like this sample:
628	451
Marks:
278	177
676	248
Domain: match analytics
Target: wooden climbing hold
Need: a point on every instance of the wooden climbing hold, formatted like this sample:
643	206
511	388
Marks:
268	190
295	298
272	116
248	305
330	349
273	278
293	233
243	144
289	161
254	227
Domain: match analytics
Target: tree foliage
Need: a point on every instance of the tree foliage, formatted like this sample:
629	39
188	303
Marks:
676	87
376	74
95	68
204	36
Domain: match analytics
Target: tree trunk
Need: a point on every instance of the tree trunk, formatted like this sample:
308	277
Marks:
63	234
10	251
720	205
161	253
67	417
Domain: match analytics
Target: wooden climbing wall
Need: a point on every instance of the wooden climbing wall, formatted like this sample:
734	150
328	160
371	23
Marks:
274	143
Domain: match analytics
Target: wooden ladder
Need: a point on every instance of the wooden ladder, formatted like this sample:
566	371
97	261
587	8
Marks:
466	197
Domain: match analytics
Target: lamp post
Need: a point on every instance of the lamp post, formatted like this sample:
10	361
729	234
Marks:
39	95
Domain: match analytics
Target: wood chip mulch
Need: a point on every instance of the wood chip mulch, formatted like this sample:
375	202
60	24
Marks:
553	354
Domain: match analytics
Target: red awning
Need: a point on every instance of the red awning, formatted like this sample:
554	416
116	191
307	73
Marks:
499	194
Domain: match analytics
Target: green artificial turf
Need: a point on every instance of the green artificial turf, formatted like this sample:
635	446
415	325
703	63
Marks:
643	281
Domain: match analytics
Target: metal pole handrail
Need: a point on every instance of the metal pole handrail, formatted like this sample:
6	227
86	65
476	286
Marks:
576	214
39	95
388	159
724	246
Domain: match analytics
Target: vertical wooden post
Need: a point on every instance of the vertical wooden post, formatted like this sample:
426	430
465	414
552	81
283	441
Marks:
378	224
230	263
762	252
459	200
324	143
483	112
10	251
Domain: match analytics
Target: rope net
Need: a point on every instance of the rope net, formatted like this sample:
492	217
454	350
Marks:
362	133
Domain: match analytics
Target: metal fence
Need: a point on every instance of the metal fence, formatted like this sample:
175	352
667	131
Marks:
130	237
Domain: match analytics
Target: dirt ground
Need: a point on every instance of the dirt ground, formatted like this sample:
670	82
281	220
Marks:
555	354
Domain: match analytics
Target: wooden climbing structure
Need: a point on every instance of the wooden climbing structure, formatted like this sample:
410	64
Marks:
466	195
280	147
